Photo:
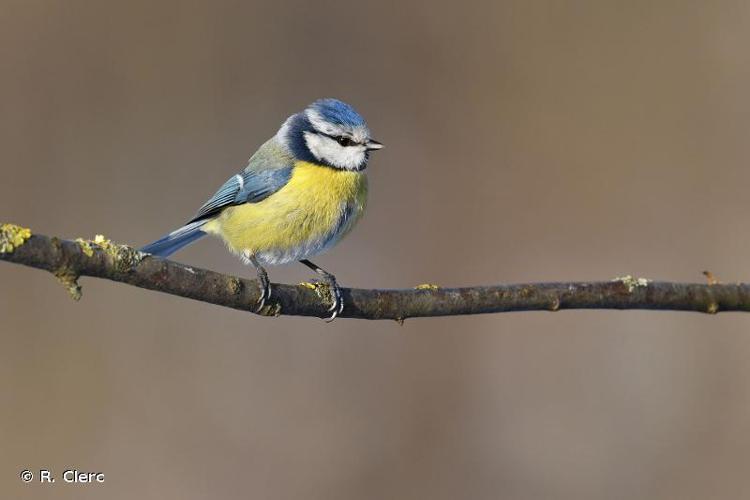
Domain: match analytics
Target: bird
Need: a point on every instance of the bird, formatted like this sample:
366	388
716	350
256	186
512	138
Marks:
301	192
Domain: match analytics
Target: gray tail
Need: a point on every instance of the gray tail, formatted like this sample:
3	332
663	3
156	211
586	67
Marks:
169	244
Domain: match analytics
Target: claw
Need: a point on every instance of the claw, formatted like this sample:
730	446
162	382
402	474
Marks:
337	309
337	298
265	289
337	305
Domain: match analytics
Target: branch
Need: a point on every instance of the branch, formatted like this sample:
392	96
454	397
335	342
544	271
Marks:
100	258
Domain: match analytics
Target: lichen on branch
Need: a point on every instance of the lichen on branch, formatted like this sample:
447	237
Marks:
12	237
100	258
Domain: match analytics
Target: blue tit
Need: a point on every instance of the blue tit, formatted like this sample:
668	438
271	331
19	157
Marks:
301	192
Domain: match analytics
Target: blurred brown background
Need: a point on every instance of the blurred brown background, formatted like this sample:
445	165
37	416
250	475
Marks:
526	141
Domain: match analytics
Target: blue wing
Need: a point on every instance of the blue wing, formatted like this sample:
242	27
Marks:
246	187
268	171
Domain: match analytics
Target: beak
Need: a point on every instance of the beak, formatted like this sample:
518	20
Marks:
372	145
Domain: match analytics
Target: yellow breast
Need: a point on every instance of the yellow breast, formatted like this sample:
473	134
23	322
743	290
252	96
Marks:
317	207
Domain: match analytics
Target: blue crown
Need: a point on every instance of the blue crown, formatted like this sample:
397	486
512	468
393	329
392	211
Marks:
338	112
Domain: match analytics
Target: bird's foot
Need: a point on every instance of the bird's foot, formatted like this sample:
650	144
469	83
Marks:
334	291
334	294
264	284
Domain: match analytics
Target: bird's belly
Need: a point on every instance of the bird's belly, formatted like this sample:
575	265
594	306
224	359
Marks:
313	211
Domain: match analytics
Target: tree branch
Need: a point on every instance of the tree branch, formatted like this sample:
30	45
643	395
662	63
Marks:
100	258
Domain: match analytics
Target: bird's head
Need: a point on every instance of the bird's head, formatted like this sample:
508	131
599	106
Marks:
329	132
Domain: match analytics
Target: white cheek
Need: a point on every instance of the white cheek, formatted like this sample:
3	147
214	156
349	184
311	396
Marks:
326	149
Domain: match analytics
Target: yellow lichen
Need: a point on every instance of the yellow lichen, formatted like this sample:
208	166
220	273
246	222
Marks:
69	279
100	240
124	257
632	283
272	310
85	247
323	290
12	237
427	286
235	285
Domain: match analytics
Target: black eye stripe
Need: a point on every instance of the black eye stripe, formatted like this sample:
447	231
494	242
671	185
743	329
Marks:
341	139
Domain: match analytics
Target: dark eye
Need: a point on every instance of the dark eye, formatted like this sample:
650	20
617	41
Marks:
344	141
